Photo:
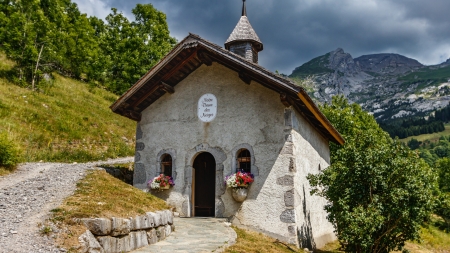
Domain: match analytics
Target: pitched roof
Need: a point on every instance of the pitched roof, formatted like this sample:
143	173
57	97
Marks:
244	32
190	54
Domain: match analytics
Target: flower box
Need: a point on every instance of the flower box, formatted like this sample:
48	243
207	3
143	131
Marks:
160	183
239	183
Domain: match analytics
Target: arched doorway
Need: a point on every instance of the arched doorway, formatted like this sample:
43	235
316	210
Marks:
204	185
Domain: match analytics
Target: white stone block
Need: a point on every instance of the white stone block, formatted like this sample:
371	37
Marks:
123	244
89	244
169	215
152	238
120	226
161	233
141	222
108	243
98	226
139	238
156	218
168	230
163	216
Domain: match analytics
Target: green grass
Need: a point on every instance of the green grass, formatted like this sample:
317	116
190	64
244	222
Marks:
100	195
315	66
253	242
433	137
427	75
68	121
433	239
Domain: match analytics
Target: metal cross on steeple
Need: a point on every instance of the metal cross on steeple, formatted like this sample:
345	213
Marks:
244	9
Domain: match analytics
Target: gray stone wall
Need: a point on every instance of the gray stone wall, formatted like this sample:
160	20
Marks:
117	235
247	116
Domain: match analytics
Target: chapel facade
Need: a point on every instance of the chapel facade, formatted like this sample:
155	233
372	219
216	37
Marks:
257	121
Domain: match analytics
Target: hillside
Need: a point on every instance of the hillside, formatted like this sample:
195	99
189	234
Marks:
65	121
390	86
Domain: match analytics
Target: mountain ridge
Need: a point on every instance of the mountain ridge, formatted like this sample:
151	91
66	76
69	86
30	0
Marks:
388	85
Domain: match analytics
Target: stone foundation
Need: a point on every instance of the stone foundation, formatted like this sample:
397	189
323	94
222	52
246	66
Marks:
117	235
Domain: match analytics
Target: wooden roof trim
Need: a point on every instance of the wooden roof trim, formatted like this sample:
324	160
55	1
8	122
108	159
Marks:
170	73
161	64
320	117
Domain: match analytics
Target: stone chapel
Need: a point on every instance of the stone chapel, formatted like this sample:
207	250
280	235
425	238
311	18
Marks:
260	121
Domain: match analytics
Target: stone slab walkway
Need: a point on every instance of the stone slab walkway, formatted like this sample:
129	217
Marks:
195	235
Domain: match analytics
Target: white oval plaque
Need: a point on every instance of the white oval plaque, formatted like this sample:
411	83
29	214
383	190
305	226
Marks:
207	108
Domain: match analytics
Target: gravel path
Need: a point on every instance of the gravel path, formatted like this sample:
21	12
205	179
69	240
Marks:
28	195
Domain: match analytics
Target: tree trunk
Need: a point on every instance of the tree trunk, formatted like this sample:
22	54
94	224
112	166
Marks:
37	65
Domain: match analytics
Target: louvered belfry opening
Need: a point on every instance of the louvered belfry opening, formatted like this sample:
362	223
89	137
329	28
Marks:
244	41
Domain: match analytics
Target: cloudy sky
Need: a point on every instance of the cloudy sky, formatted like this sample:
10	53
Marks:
295	31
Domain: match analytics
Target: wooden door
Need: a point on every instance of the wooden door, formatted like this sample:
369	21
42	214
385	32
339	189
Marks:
204	185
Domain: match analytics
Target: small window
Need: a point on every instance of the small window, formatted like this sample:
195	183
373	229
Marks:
166	165
244	161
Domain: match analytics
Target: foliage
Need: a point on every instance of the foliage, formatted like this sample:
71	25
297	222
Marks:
443	208
160	182
432	151
9	152
52	35
134	47
239	179
379	191
101	195
443	167
412	127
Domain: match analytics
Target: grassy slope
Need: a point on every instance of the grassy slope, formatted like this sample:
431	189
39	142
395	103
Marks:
315	66
253	242
434	137
433	239
100	195
428	74
68	121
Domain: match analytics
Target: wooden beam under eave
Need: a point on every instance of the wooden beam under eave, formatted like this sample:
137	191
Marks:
176	68
204	58
167	88
245	78
320	117
285	100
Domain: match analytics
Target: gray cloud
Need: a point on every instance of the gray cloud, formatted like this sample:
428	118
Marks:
295	31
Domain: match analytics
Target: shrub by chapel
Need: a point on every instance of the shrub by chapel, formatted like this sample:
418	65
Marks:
204	112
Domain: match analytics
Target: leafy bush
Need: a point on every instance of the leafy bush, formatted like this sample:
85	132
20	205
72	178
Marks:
379	191
9	153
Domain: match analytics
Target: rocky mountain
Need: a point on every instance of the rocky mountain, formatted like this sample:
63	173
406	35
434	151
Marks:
390	86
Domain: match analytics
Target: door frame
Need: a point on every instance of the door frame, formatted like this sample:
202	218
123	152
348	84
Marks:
189	189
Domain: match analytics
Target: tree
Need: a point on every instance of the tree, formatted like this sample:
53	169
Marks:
379	191
43	36
24	36
134	47
443	209
443	167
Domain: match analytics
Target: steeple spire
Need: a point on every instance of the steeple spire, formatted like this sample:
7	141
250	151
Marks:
243	40
244	8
